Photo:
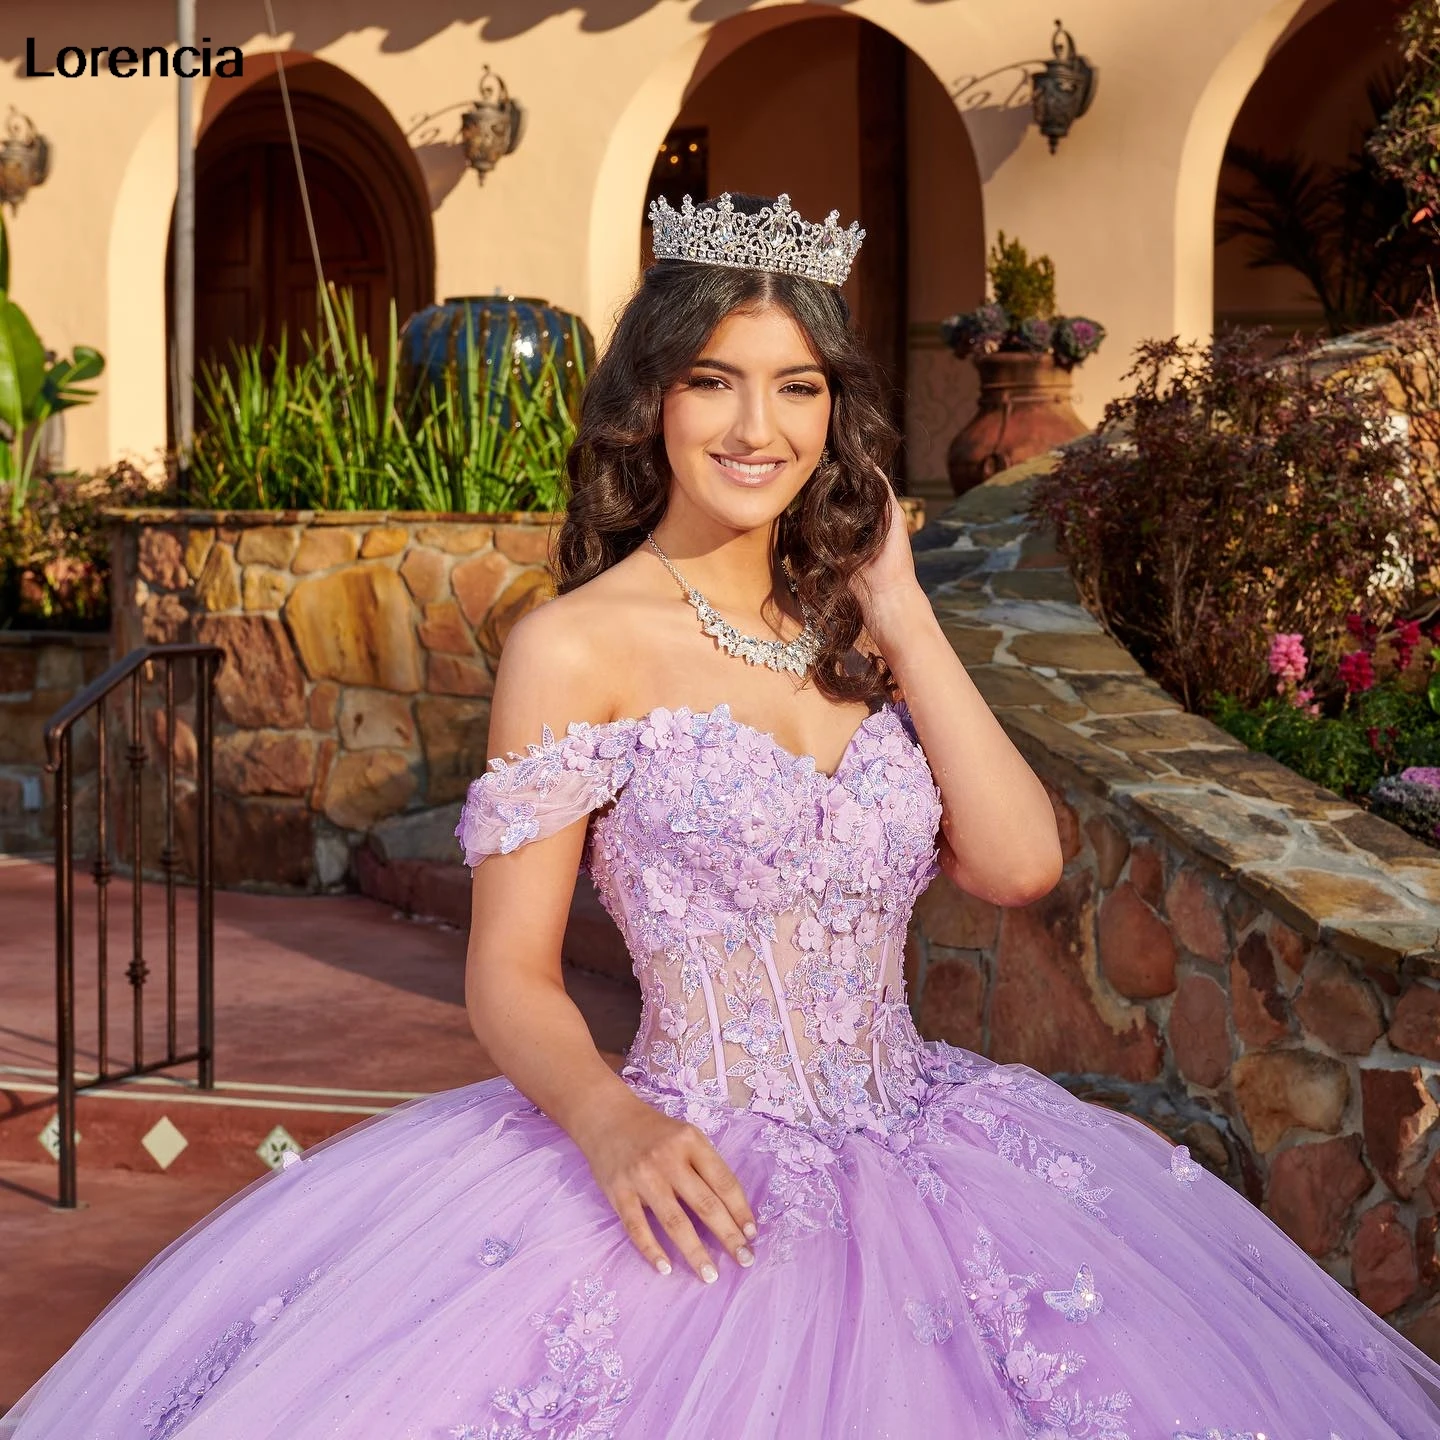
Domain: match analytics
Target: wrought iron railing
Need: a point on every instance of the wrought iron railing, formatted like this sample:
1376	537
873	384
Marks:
131	673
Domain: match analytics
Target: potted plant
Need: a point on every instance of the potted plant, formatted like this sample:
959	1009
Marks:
1024	353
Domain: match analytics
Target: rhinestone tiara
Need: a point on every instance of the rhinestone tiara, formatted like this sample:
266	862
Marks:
774	239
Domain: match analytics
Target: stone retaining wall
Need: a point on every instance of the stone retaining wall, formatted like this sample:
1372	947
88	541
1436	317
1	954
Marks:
361	650
1242	958
39	672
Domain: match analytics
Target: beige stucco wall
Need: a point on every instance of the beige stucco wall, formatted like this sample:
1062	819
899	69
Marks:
1125	208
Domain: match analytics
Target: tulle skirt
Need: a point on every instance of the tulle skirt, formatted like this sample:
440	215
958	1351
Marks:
1009	1263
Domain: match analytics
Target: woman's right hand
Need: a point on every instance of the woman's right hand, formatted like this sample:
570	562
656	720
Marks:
643	1160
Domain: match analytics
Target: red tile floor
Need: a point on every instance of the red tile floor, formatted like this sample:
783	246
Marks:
327	1009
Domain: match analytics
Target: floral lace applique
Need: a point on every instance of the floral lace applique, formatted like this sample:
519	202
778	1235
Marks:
802	1196
585	1389
1036	1381
171	1412
1068	1172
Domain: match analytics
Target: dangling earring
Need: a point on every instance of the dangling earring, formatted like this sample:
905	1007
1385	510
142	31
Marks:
823	461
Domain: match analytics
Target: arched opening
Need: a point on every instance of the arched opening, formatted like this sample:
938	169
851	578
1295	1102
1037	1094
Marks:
254	273
841	115
1295	173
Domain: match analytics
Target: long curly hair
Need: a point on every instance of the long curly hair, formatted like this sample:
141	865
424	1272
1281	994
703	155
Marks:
619	476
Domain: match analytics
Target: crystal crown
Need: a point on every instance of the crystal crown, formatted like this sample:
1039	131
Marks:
774	239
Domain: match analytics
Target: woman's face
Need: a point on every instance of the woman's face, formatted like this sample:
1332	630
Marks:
745	425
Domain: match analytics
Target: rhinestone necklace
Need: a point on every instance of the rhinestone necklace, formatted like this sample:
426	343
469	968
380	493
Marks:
798	654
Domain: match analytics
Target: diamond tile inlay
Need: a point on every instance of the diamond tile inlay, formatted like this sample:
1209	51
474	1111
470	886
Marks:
273	1148
164	1142
49	1137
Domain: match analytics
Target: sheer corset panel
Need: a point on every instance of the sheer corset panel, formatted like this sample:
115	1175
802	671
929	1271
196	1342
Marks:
764	903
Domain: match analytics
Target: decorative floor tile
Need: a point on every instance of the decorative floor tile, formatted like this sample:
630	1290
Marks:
49	1137
273	1148
164	1142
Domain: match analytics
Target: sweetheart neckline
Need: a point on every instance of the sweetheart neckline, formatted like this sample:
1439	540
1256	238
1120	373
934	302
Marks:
888	706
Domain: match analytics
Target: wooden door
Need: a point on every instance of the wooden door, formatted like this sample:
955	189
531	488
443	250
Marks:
254	271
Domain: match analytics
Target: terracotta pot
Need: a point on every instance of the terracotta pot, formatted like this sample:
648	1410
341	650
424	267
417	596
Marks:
1024	411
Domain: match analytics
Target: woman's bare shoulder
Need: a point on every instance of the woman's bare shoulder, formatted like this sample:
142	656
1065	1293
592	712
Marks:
563	658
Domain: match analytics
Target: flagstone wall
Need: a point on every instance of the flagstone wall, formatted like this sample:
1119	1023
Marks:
39	672
1243	959
360	657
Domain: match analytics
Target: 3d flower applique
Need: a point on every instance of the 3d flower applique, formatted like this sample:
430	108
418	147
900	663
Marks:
932	1324
1185	1170
585	1389
1081	1301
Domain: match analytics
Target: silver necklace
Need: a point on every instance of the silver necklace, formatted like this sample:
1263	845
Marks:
798	655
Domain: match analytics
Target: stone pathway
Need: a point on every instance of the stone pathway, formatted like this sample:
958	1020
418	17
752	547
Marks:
328	1009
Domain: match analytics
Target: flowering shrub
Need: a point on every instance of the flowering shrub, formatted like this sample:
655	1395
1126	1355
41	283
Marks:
55	555
1228	499
1367	727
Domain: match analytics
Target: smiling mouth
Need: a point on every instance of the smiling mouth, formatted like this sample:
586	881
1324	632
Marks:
748	472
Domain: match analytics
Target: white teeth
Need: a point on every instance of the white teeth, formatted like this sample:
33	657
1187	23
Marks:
741	468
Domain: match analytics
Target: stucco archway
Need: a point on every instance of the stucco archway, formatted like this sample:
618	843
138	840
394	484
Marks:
1312	100
1198	172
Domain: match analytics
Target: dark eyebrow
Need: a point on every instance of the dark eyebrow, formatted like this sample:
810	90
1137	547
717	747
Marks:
726	368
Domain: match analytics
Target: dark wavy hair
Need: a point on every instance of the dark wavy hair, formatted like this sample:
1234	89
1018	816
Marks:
620	477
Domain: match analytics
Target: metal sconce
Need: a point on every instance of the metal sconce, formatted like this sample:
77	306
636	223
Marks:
490	129
1061	93
24	159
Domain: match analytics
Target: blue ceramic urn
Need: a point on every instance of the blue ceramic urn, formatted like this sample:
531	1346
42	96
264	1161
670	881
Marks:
512	335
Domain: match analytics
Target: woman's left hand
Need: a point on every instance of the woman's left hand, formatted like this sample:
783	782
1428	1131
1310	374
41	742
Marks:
891	574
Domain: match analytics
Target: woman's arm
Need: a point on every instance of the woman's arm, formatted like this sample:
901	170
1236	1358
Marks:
515	991
999	838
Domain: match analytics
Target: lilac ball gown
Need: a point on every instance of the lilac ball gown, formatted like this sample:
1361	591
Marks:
948	1247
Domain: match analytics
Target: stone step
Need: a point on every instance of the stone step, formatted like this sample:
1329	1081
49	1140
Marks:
440	890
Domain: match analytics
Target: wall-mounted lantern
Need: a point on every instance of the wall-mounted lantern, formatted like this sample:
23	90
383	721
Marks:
24	159
1061	93
490	128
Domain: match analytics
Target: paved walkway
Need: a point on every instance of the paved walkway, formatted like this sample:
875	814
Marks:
327	1009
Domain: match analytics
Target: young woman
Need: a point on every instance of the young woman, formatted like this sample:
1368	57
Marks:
788	1216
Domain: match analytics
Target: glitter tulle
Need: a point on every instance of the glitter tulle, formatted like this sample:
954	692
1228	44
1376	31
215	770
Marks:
948	1247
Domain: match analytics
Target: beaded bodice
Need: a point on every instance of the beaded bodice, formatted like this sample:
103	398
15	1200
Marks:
764	903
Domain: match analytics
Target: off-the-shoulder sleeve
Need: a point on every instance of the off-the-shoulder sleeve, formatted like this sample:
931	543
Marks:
530	797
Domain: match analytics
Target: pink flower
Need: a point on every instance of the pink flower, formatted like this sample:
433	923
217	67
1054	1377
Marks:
588	1328
1032	1372
1422	775
840	1020
1357	671
1064	1172
1288	661
1302	699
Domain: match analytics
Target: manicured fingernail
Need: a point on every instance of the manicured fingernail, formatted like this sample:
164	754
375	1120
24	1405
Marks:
749	1228
663	1266
709	1274
745	1255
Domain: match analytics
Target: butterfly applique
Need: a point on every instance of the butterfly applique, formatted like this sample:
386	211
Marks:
1080	1301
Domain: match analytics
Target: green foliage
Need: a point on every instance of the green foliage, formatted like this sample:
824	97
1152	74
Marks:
1022	287
333	431
1406	143
55	551
1377	733
34	385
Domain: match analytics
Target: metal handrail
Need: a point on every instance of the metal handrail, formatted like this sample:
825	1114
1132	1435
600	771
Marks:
59	733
